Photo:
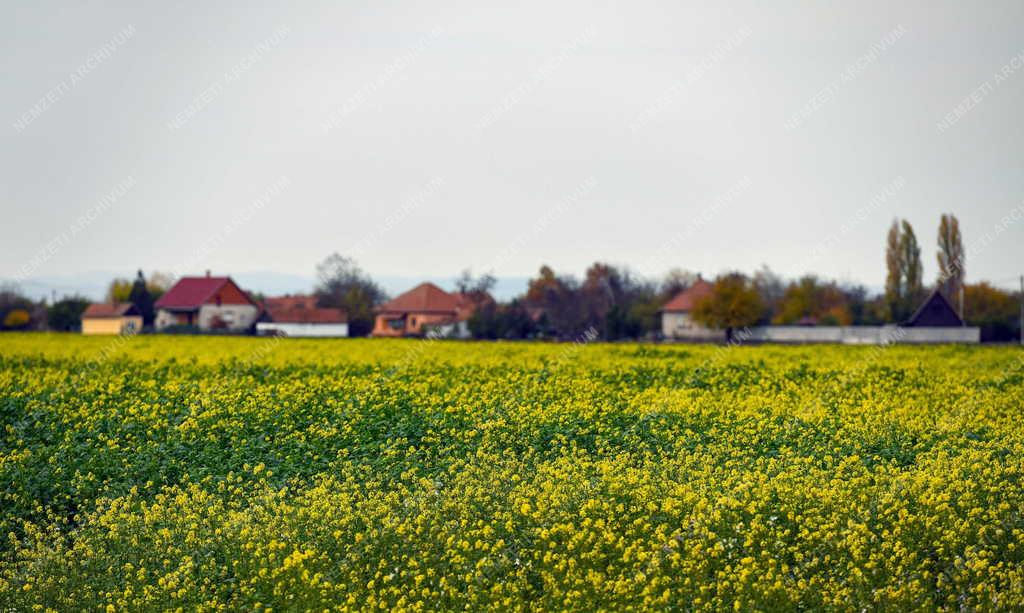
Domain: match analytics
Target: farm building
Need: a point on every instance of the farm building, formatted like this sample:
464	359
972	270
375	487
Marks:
676	320
299	316
935	312
118	318
208	303
426	308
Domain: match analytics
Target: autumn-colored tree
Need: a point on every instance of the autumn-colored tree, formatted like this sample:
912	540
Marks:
119	290
546	281
733	303
17	319
810	298
995	311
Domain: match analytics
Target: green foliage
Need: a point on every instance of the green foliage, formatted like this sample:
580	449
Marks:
142	299
65	315
493	321
734	303
226	473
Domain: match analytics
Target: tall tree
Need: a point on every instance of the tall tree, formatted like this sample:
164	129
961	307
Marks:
951	257
734	303
142	299
904	286
913	272
894	274
342	284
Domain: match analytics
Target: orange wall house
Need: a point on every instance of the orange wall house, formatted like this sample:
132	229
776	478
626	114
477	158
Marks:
121	318
422	308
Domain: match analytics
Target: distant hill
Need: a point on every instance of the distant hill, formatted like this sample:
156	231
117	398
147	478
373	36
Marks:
93	284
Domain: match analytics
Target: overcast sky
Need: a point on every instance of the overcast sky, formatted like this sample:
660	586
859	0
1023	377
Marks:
425	138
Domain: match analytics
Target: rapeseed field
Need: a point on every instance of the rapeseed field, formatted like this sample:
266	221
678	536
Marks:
201	473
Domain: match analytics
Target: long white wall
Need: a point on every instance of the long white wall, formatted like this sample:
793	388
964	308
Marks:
298	329
862	335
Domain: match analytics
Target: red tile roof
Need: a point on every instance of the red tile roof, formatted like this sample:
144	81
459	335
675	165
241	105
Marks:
684	301
192	292
101	310
301	309
306	315
424	298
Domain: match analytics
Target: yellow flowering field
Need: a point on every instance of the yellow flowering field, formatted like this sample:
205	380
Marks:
202	473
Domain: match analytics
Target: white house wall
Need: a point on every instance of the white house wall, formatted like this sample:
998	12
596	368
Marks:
239	317
681	327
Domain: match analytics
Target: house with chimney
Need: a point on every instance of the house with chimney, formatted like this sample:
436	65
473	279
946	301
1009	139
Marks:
207	303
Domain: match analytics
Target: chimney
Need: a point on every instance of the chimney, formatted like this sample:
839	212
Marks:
207	273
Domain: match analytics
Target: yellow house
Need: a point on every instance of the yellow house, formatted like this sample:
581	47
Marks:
122	318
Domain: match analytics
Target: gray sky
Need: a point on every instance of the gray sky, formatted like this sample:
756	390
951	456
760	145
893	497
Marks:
429	137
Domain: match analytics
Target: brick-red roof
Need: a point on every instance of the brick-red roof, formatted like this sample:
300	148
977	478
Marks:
192	292
303	315
684	301
424	298
103	310
301	309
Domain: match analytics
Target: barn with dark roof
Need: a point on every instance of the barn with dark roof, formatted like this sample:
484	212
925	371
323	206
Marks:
935	312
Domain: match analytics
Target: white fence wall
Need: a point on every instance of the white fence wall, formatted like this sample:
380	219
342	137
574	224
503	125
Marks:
861	335
299	329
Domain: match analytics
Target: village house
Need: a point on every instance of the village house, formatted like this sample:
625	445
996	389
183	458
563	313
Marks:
207	303
425	309
299	316
676	316
118	318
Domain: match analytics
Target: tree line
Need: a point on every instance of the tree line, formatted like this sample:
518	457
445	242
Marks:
617	304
